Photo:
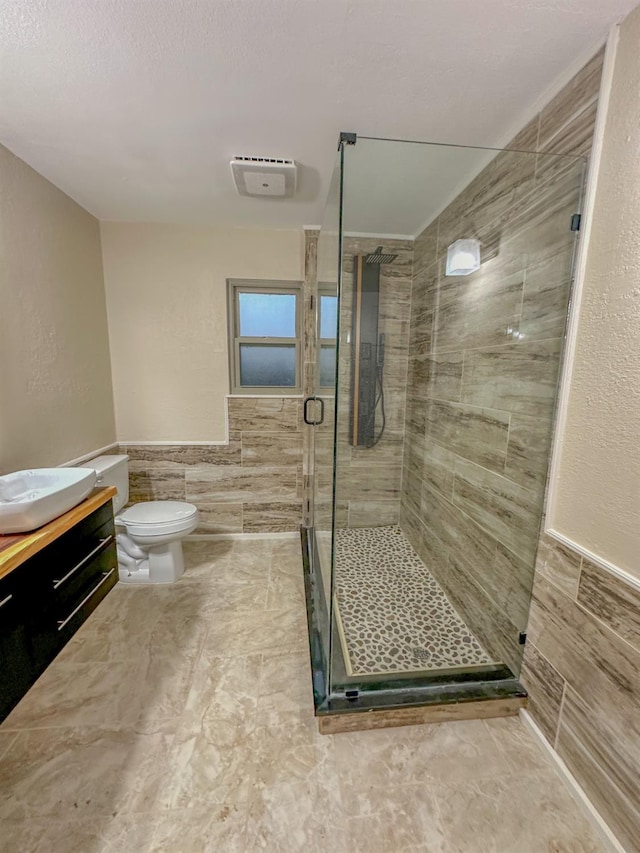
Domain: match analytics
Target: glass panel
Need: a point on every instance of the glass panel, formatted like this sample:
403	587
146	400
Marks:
327	365
267	366
440	471
323	449
267	315
328	316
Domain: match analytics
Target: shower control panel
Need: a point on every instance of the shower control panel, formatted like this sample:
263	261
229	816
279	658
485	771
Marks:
364	337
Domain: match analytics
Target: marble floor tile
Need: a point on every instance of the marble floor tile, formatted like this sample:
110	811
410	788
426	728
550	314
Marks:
291	817
123	623
80	694
496	815
223	695
240	633
213	765
6	739
285	686
438	754
284	588
80	771
517	744
400	818
203	740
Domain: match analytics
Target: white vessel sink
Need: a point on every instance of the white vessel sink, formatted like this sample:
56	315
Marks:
29	499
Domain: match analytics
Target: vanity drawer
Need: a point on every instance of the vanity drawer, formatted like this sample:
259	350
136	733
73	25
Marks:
97	579
65	609
75	583
17	669
56	564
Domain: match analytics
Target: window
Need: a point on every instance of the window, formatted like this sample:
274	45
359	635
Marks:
264	333
327	332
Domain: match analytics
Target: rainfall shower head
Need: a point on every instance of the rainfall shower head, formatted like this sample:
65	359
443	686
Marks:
379	257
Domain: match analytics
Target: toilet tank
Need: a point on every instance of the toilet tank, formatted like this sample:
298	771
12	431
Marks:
112	471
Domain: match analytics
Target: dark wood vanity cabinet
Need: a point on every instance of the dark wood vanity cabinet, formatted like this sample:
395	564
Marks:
45	600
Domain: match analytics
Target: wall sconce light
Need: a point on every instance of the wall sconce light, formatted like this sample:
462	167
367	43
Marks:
463	257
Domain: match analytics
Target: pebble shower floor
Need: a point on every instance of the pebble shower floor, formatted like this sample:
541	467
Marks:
395	616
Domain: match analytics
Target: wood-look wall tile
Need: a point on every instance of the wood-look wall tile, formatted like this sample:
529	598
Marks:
518	378
416	412
612	600
240	485
271	517
220	517
425	543
559	565
506	510
438	468
540	225
588	654
374	513
265	414
418	368
475	433
139	486
443	374
573	140
485	618
178	456
509	582
157	484
605	762
528	450
271	449
375	483
388	451
527	138
423	304
546	295
412	474
425	248
582	91
545	686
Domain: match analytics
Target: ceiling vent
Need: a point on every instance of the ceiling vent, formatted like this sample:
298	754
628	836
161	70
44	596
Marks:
264	176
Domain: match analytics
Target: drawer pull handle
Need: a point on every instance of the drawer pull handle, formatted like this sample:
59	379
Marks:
63	622
6	600
102	544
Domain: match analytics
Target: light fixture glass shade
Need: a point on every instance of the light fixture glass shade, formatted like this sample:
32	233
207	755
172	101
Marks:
463	257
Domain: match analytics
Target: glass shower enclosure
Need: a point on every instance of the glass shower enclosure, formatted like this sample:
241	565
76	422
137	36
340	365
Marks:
443	282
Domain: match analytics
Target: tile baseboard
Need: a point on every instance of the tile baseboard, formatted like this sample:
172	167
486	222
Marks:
597	821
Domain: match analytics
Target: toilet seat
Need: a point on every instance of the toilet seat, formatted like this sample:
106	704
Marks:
153	518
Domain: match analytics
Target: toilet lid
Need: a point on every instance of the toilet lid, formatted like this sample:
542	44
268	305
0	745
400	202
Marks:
156	512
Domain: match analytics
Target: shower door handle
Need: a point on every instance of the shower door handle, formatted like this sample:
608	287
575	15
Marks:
305	411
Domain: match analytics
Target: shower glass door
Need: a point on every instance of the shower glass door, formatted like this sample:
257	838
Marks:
455	267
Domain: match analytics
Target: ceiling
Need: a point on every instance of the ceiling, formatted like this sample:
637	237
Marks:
135	107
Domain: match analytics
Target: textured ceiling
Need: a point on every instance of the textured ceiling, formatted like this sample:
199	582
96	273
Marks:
135	107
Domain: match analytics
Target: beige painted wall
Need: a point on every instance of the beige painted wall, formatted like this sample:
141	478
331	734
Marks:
55	377
597	498
166	300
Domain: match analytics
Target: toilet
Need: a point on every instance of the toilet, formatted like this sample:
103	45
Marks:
149	534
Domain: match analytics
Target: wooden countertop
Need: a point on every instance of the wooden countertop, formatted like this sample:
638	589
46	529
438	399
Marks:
16	548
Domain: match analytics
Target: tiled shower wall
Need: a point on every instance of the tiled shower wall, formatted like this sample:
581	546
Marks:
253	484
484	364
369	479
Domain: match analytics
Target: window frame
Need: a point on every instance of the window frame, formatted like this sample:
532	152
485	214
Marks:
235	286
325	288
